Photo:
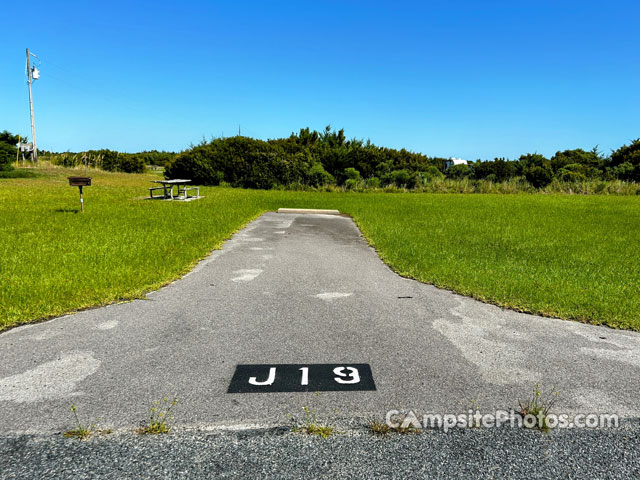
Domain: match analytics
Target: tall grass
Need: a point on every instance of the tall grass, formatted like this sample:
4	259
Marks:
466	185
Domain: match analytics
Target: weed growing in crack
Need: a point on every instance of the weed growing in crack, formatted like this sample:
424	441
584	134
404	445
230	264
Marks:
159	416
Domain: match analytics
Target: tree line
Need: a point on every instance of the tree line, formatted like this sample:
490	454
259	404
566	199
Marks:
315	159
575	165
112	160
308	158
328	158
103	159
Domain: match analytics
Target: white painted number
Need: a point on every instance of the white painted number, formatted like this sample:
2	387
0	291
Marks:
353	373
268	381
305	376
345	376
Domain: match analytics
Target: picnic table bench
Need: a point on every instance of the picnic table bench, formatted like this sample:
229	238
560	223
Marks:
167	189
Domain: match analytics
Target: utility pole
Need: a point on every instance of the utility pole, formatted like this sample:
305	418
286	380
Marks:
34	152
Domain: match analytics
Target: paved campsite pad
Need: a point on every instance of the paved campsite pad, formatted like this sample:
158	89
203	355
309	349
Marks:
301	290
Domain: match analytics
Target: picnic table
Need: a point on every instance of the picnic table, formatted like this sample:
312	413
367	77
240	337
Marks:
167	189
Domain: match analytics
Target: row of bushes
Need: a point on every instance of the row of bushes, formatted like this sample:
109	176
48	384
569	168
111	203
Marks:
315	159
112	160
309	158
104	159
565	166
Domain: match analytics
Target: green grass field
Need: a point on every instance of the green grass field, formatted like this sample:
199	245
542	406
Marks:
570	256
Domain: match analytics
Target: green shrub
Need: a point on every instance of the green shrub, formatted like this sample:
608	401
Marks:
107	159
347	174
152	157
627	154
626	162
373	182
570	173
7	156
430	174
195	167
351	184
491	178
531	160
458	171
626	171
243	162
497	170
592	161
318	176
402	178
131	164
539	177
248	162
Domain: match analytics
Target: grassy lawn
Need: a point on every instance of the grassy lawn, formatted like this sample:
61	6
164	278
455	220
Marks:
575	257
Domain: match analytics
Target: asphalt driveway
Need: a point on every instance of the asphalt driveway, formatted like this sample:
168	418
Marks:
308	292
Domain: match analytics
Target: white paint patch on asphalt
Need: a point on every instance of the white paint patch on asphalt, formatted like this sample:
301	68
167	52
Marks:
609	344
489	342
252	239
329	296
107	325
267	257
246	275
280	224
282	232
49	381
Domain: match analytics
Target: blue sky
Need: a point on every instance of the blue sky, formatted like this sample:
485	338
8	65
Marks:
465	79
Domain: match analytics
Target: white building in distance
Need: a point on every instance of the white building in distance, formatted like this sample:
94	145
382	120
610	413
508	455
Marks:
454	161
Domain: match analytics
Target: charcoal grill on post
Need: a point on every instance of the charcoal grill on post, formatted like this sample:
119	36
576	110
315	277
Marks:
80	182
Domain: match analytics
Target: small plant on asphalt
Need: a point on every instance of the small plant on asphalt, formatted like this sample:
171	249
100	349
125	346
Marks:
311	426
382	428
379	428
405	430
536	410
81	431
159	415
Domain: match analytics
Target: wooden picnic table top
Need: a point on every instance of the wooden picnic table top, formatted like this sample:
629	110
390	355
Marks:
171	182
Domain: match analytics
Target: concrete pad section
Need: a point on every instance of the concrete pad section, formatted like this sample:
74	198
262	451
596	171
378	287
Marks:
309	211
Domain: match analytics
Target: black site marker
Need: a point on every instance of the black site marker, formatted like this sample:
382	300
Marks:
324	377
